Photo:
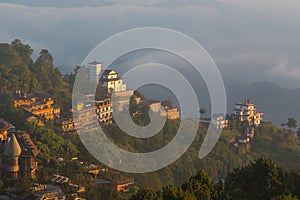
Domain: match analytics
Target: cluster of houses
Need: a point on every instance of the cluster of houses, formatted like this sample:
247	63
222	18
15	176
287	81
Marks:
86	111
247	114
37	107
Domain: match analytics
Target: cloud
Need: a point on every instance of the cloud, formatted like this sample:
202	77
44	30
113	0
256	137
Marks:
287	10
240	40
285	69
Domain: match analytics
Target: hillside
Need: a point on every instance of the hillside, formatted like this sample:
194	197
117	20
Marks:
20	71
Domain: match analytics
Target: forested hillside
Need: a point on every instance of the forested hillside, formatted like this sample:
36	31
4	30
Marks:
19	71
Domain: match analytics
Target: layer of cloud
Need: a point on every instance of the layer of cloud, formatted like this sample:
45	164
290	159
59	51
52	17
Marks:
241	41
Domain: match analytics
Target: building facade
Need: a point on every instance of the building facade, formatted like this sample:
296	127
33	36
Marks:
220	121
95	69
246	112
104	110
112	81
38	105
17	157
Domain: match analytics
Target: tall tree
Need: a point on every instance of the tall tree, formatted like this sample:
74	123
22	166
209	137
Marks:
291	123
263	179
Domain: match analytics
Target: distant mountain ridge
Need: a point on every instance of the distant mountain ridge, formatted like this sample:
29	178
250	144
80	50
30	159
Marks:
277	103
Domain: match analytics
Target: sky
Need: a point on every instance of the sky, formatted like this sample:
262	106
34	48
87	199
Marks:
249	40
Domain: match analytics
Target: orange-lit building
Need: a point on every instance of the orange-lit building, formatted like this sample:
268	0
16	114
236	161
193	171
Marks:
67	125
17	157
84	116
39	105
172	113
104	110
246	112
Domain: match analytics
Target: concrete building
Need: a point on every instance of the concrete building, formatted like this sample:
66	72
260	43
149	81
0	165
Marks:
84	116
220	121
112	81
246	112
95	69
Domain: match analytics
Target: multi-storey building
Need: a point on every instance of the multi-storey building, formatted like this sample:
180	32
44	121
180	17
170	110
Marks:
85	113
246	112
37	105
17	157
220	121
104	110
95	69
112	81
84	116
67	125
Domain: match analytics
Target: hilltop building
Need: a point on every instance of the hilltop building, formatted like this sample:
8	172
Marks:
220	121
67	125
37	106
246	112
112	81
17	157
170	112
95	69
104	110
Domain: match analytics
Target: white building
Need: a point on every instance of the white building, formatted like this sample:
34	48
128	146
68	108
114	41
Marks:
246	111
220	121
94	70
112	81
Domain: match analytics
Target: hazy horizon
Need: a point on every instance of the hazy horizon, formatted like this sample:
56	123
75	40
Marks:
250	41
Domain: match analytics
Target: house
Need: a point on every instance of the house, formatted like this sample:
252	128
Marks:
138	100
246	112
39	105
119	185
48	192
172	113
220	121
122	185
112	81
67	125
243	140
17	157
85	117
